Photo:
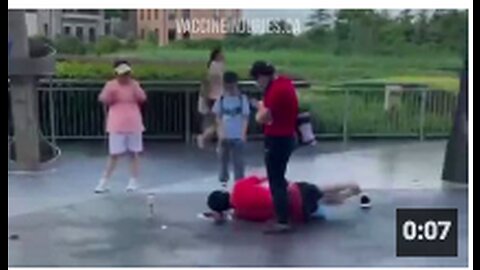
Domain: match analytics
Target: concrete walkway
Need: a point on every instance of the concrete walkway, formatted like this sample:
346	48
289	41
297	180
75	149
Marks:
62	223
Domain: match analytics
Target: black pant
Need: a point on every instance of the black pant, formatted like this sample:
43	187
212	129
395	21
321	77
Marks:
277	154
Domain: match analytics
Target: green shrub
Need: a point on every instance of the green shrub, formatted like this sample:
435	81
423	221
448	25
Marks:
131	44
39	46
78	70
197	44
43	39
152	38
70	45
259	42
144	71
106	45
145	46
90	48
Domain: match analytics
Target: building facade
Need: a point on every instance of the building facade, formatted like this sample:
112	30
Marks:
86	25
163	24
124	27
32	23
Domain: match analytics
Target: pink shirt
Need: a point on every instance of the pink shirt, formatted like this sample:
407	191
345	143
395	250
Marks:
123	101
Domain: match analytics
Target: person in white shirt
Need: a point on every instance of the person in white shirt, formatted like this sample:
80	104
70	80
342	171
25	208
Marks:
211	92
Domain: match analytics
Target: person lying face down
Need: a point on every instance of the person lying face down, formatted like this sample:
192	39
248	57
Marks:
251	200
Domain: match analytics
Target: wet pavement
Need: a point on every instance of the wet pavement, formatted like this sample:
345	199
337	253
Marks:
62	223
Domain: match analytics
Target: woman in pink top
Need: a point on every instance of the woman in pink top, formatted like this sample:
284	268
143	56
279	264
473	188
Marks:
123	96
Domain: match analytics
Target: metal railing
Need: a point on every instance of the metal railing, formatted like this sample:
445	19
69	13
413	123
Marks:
68	109
407	111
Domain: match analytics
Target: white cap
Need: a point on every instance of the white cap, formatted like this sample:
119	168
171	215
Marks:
123	69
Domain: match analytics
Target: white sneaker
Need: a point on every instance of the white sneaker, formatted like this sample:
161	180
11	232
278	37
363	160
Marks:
132	185
200	142
102	186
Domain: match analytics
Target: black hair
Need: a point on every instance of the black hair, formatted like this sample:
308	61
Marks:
261	68
219	201
119	62
230	77
213	54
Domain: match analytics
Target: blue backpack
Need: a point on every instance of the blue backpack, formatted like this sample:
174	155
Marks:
235	111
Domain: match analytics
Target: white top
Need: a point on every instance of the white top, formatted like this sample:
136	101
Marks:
215	78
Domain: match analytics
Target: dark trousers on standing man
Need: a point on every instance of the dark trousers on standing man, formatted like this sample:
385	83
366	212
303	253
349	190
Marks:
277	154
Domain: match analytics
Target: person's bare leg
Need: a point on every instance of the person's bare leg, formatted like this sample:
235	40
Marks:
135	165
351	190
111	165
206	135
338	194
200	142
107	175
209	132
134	172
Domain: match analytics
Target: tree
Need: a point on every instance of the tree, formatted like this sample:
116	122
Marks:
448	29
420	36
320	26
356	30
406	17
280	27
117	13
240	29
321	18
342	31
405	21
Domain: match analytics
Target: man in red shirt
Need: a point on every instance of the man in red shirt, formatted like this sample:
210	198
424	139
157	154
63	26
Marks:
251	199
278	114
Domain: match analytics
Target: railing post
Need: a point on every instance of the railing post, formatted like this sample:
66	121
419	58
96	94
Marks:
346	115
51	109
188	110
423	108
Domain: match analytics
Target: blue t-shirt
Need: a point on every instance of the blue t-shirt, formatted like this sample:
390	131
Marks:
233	110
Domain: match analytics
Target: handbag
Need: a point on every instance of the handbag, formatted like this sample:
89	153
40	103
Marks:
305	133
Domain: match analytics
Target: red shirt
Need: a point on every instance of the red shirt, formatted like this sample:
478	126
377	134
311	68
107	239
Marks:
252	200
282	101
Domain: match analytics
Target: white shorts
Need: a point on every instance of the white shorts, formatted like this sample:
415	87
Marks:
120	143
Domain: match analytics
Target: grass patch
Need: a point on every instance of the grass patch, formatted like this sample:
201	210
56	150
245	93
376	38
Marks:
320	69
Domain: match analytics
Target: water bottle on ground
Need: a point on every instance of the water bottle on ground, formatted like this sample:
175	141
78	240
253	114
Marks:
151	205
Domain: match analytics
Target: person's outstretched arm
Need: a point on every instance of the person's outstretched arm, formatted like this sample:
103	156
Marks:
218	119
246	117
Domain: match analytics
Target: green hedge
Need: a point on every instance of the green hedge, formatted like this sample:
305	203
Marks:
368	116
106	45
145	71
70	45
262	43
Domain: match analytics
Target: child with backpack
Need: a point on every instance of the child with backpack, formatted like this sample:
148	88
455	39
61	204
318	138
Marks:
232	112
